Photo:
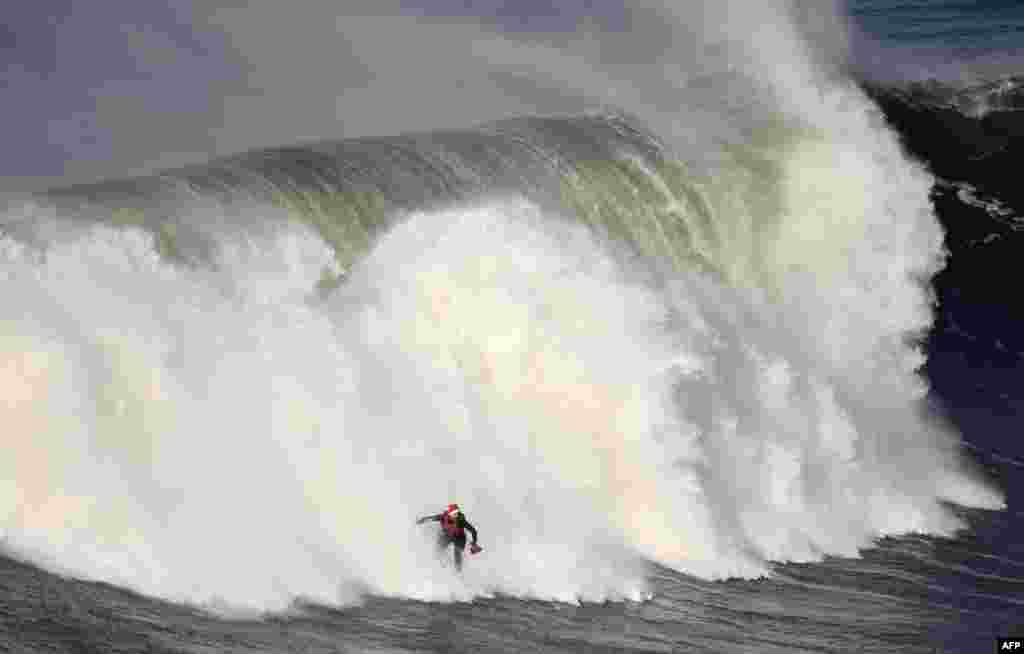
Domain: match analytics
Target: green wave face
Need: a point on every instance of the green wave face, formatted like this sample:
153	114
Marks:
605	171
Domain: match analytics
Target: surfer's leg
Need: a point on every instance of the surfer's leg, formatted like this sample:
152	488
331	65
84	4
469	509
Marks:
442	544
458	544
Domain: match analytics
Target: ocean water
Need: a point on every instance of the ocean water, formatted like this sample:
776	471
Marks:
704	316
961	29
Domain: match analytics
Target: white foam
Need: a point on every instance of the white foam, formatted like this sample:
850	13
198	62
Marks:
219	435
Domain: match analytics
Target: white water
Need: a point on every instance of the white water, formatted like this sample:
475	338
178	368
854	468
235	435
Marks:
217	434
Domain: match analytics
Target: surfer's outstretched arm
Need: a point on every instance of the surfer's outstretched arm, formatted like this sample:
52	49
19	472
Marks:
432	518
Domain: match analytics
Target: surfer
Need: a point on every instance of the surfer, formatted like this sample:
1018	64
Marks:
453	532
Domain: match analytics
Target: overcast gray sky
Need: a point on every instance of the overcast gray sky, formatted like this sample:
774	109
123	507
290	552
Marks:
79	86
90	90
139	85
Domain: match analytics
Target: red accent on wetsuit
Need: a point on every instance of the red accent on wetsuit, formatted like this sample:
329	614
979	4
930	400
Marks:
451	526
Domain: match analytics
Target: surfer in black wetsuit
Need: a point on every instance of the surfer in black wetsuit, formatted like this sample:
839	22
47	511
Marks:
453	532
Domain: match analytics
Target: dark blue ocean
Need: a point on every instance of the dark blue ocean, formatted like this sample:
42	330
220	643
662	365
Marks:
706	313
953	30
956	102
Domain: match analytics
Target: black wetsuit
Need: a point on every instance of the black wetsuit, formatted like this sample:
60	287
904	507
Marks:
444	539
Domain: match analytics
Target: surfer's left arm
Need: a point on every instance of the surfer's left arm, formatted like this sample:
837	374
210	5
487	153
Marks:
470	528
430	518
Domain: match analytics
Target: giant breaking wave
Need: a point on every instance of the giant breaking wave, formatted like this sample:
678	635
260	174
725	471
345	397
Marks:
241	382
